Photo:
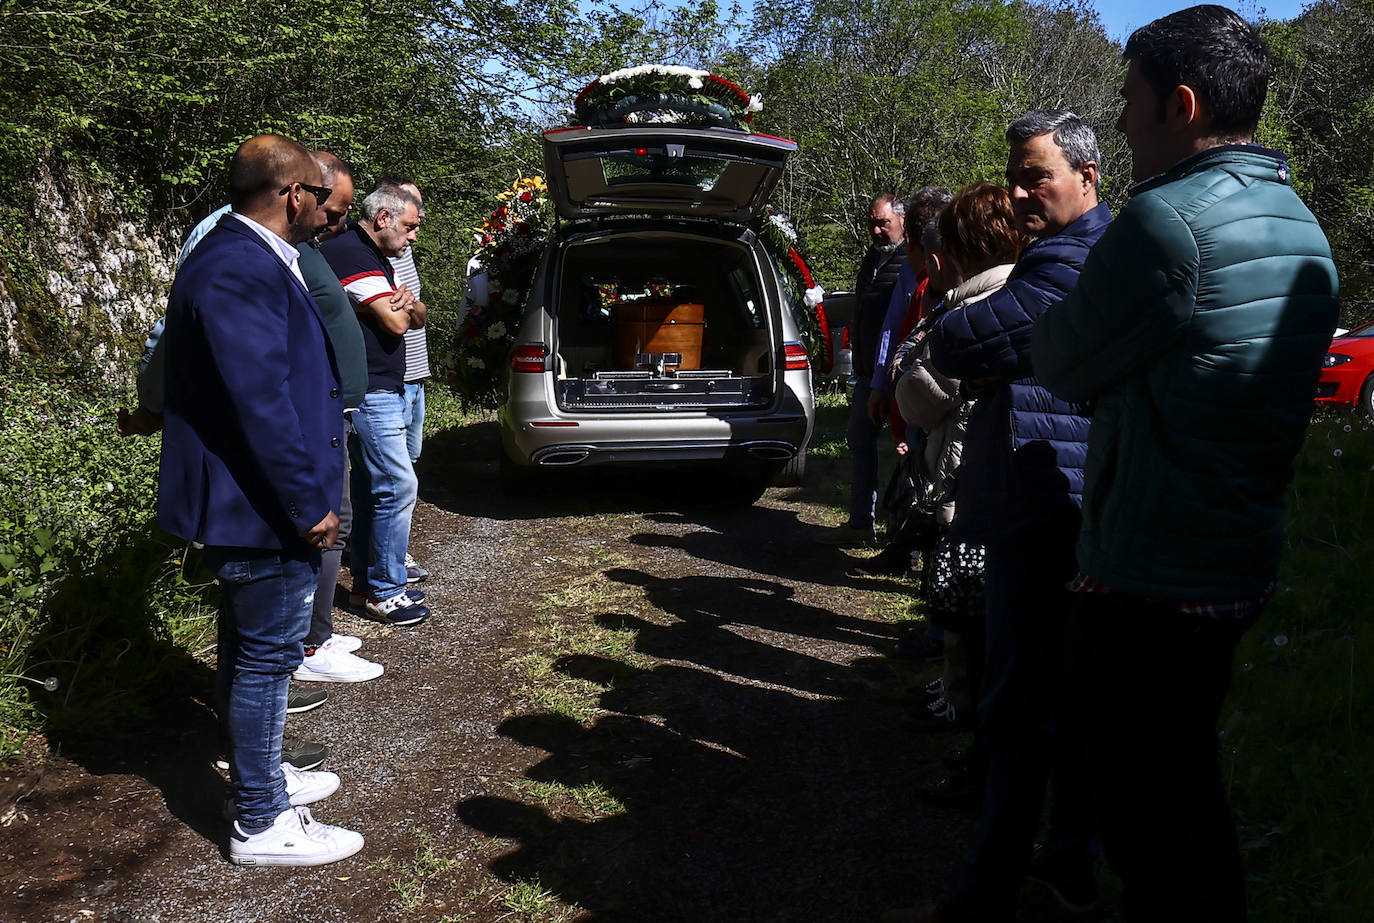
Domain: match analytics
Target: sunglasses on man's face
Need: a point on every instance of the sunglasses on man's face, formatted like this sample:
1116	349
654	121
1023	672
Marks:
321	193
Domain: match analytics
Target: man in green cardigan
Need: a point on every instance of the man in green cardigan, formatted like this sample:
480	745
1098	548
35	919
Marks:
1197	330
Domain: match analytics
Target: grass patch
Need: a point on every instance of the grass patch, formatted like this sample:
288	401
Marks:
531	901
445	409
416	876
591	801
566	627
1298	738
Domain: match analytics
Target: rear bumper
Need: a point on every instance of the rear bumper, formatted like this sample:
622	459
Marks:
588	455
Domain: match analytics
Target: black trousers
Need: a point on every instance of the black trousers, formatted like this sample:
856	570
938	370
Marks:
1148	684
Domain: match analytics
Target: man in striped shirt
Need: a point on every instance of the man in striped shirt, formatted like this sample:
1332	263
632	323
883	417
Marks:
383	476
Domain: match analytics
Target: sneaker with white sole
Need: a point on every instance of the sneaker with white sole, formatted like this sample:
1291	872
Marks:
414	572
331	664
295	839
299	752
346	643
397	610
299	700
357	602
302	788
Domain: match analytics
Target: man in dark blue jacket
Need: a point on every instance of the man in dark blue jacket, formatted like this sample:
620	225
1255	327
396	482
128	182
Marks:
1018	495
252	467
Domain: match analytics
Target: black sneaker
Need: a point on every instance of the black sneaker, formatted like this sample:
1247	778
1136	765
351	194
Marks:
919	646
397	610
959	788
1069	879
939	715
303	754
892	561
299	700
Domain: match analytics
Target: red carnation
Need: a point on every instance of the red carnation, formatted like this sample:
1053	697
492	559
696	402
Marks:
527	196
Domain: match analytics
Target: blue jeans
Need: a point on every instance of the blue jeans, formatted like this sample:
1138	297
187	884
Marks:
383	493
415	419
862	437
264	613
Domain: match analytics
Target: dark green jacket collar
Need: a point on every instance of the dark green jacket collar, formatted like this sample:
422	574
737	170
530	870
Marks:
1267	160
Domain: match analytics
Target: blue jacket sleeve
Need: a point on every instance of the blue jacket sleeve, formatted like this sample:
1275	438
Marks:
1137	292
991	338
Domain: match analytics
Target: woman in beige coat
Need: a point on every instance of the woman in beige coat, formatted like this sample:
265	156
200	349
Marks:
971	249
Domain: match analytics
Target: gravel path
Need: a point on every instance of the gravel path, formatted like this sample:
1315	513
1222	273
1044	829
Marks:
629	705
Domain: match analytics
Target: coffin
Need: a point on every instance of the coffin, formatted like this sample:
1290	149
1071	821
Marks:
653	328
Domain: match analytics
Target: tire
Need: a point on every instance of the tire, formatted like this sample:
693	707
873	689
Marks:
517	481
1366	401
792	472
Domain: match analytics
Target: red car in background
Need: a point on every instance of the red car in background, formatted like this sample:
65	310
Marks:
1348	370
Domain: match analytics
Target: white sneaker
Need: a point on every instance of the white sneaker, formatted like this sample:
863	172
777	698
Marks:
295	838
331	664
346	643
302	788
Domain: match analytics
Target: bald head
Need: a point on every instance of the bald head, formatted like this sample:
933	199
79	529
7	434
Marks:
339	178
332	168
263	165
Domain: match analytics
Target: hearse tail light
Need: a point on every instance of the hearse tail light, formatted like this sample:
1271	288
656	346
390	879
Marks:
532	357
794	357
845	341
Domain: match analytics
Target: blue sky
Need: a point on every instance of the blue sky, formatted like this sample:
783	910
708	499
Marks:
1121	17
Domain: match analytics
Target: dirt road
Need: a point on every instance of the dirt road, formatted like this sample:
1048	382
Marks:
629	705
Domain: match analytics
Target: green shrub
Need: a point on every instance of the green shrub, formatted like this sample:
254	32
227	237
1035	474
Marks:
96	609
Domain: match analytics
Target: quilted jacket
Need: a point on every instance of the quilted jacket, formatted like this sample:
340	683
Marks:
1198	328
1024	449
878	275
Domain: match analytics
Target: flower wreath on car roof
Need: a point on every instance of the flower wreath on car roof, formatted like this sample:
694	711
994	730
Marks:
512	237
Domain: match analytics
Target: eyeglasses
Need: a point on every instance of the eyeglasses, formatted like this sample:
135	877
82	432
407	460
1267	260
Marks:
321	193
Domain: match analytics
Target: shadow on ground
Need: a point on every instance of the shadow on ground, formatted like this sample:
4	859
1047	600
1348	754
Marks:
760	779
460	472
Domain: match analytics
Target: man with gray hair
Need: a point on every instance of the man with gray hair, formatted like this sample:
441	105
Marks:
1018	495
417	351
383	484
878	275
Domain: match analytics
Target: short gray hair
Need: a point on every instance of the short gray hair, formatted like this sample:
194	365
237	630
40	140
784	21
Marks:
390	199
1073	136
887	198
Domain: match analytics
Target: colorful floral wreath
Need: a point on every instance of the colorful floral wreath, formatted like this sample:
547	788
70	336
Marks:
659	93
805	297
510	240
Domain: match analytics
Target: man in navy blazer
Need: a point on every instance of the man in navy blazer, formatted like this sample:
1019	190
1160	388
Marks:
252	467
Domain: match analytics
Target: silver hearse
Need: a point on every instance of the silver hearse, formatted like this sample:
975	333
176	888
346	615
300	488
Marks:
658	329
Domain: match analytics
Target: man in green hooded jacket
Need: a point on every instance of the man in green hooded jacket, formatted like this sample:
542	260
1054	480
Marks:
1197	329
